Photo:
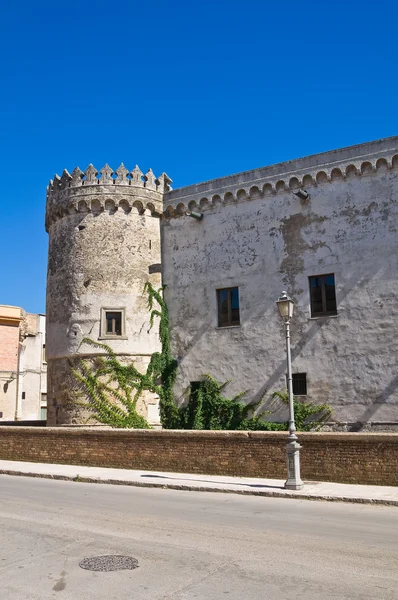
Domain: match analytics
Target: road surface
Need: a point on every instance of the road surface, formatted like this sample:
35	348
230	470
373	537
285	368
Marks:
190	545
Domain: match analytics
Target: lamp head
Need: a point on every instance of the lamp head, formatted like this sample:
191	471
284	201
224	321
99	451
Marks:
302	194
285	306
195	215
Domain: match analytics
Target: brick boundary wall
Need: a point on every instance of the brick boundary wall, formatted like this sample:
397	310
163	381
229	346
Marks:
361	458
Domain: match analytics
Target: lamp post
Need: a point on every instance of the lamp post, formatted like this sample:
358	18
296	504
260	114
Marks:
293	482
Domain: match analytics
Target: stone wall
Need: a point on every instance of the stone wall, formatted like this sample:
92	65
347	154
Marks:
258	235
341	457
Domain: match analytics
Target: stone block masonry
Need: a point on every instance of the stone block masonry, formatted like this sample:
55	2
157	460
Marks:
323	228
358	458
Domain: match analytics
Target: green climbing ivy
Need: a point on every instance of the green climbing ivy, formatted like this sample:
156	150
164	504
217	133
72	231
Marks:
162	366
208	408
307	415
112	390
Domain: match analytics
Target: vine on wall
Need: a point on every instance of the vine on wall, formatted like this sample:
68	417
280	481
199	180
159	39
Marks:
112	390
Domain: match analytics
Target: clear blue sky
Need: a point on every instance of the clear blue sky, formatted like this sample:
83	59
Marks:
196	89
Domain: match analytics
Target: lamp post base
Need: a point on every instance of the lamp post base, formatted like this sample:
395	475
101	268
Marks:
294	481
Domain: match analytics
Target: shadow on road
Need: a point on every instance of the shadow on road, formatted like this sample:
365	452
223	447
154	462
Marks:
250	485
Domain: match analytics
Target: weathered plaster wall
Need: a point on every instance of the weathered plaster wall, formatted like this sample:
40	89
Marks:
104	237
10	320
256	234
33	370
22	371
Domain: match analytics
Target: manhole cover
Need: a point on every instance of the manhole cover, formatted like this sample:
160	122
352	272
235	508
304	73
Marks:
110	562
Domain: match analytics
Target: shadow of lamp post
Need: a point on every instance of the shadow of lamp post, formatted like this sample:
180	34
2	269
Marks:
293	482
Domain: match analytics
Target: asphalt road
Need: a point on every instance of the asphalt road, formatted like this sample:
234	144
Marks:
190	545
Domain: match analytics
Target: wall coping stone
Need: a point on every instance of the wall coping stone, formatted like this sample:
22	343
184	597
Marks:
204	434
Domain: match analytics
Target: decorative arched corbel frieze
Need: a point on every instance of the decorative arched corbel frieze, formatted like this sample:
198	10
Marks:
294	183
228	197
280	186
336	174
255	193
382	164
180	209
139	207
96	206
321	177
268	189
367	168
241	195
125	206
110	207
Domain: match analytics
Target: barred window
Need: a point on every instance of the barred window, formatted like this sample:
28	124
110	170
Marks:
299	384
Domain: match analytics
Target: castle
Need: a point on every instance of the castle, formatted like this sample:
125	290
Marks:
323	227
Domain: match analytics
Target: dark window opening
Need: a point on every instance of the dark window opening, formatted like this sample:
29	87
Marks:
113	323
299	384
23	395
228	307
323	295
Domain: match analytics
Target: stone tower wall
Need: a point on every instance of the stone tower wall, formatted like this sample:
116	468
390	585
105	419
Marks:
104	244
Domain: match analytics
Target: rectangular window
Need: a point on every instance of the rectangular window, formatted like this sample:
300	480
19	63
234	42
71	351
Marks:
299	384
23	395
43	407
112	322
43	358
228	307
323	295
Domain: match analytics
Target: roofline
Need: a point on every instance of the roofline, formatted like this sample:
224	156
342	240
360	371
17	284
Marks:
312	160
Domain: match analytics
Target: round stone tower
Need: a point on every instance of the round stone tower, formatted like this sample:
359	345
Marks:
104	244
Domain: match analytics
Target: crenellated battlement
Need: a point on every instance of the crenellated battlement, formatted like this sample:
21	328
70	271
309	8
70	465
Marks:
107	189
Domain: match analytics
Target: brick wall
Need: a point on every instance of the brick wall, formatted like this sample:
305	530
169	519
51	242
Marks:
9	338
362	458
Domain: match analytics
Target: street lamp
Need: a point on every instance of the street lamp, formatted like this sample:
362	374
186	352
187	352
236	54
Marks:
293	482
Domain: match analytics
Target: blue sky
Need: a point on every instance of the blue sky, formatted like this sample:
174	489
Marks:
196	89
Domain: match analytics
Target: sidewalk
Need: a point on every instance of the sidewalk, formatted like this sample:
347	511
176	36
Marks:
313	490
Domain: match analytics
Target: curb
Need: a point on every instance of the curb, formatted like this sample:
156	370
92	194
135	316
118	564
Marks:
193	488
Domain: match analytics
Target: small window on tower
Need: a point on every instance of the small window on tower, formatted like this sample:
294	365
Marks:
112	323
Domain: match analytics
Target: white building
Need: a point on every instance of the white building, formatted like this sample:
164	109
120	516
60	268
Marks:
23	367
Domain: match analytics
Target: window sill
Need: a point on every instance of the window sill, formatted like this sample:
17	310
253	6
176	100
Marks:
228	327
323	317
113	337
